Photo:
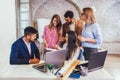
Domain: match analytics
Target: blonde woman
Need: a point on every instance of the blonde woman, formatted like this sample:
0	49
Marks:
91	33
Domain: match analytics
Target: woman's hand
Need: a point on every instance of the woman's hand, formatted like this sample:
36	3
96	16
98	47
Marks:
58	47
90	40
62	39
82	39
45	43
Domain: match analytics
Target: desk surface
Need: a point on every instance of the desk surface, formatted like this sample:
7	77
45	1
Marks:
23	71
26	71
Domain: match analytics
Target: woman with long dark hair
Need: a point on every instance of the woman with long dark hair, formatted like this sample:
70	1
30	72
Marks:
52	32
73	47
73	51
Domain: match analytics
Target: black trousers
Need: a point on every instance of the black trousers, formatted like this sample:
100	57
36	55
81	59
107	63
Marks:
88	51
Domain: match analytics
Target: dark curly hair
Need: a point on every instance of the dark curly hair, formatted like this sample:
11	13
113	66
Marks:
69	14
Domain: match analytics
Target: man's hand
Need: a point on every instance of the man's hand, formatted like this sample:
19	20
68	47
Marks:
34	61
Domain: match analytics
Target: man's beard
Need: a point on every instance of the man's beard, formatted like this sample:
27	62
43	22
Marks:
31	40
69	23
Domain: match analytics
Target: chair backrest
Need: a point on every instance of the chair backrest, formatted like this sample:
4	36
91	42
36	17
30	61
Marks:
97	60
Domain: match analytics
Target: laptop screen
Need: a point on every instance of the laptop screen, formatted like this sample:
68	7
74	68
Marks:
97	60
56	58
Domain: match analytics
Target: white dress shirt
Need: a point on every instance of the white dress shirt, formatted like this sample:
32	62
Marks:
28	46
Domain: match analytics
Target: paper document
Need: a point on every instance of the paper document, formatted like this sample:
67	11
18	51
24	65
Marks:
51	49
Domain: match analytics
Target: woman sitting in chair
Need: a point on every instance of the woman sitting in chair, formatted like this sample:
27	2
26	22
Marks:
73	51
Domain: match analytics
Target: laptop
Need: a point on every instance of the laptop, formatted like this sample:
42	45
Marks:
56	58
97	61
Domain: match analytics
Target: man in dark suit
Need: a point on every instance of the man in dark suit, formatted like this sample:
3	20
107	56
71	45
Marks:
24	50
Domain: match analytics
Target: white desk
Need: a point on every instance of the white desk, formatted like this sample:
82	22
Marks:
24	71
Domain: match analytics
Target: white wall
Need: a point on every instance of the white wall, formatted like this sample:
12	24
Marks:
42	22
7	28
107	15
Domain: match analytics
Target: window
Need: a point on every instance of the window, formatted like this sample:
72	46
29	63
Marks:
23	16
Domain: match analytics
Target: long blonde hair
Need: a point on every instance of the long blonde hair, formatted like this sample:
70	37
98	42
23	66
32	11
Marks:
89	13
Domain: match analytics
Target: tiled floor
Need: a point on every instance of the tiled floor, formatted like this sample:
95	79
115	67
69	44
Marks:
112	65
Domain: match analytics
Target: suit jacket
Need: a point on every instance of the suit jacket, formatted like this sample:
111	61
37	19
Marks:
20	54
